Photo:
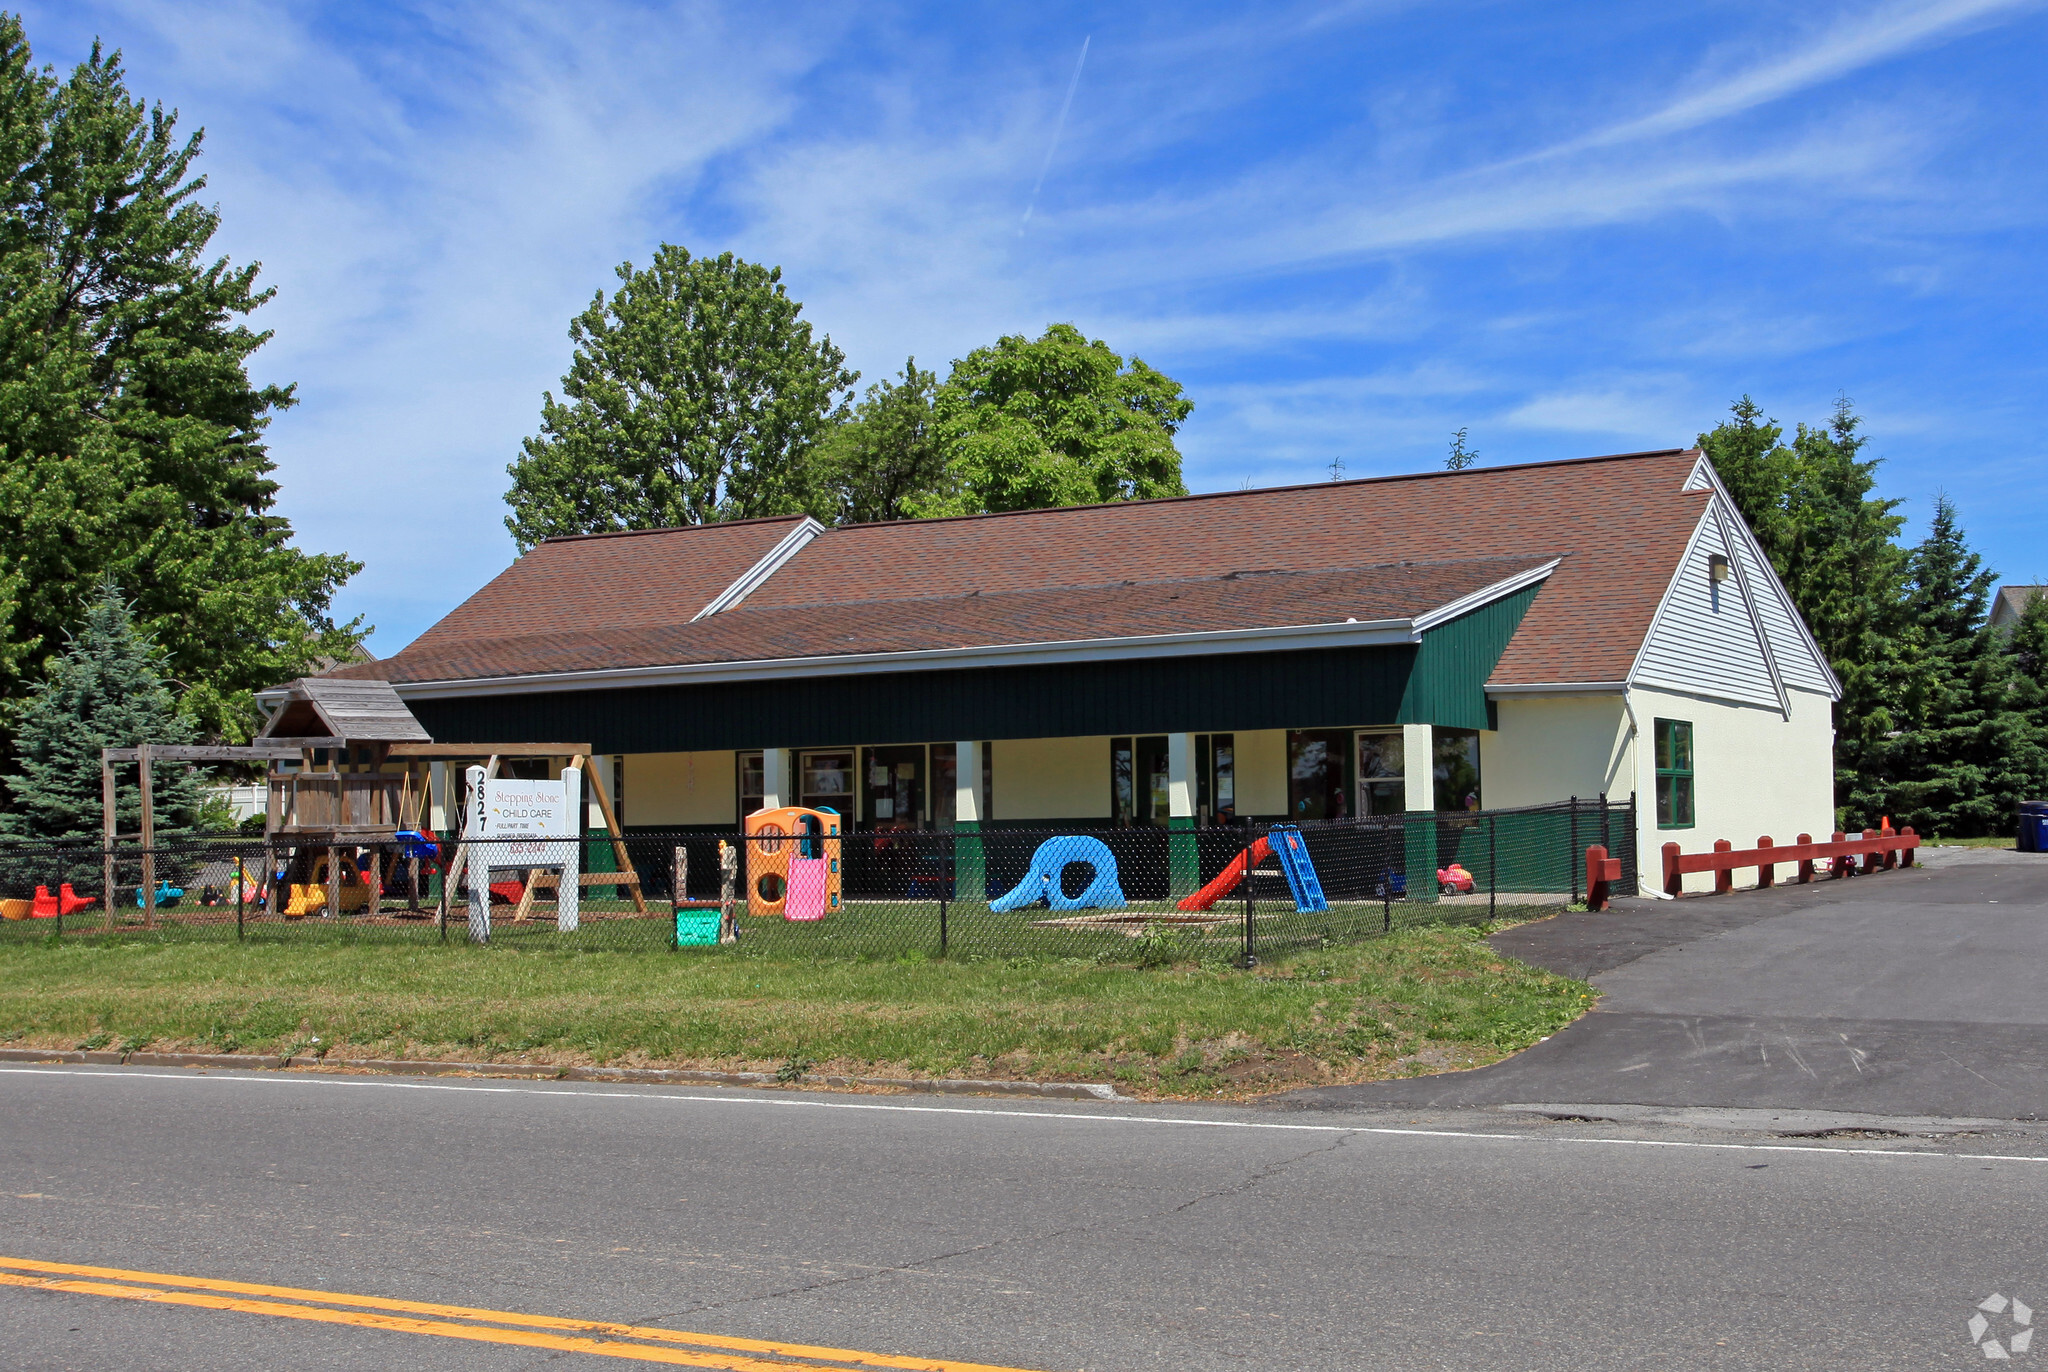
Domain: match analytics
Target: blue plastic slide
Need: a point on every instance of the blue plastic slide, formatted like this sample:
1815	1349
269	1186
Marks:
1301	873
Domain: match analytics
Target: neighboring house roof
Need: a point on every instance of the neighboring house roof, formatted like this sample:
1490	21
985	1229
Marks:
1612	532
361	711
2012	603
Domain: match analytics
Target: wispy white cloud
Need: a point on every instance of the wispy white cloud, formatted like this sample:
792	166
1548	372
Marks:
1345	271
1848	45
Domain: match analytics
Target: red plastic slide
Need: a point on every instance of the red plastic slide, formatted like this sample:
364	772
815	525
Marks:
1227	880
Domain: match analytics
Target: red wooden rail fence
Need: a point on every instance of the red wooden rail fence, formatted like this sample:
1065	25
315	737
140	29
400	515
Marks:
1879	848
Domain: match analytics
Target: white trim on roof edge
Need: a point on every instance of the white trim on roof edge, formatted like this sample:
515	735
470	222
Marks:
1556	688
750	580
1722	519
1485	595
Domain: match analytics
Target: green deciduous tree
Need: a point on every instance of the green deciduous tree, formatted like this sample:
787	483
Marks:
1056	420
695	394
106	690
887	459
131	438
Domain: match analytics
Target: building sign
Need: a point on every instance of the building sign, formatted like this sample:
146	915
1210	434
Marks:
531	825
526	809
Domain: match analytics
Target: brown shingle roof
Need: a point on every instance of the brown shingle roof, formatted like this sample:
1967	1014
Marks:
621	580
1620	524
1257	601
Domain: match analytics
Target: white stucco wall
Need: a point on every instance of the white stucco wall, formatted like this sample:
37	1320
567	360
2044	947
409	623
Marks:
681	788
1050	778
1555	747
1755	773
1262	772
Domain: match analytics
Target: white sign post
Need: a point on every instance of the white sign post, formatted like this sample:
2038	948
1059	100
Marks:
525	824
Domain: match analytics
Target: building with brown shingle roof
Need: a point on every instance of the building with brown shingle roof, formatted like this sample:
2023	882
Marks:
1497	636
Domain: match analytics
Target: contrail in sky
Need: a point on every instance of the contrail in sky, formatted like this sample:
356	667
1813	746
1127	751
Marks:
1057	129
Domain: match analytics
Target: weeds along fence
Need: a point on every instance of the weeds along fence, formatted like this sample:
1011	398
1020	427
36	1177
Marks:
995	892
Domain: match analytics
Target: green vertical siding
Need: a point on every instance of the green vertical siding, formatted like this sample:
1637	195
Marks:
1447	686
1440	681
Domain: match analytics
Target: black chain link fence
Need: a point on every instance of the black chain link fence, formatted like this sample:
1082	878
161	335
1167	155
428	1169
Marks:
1136	894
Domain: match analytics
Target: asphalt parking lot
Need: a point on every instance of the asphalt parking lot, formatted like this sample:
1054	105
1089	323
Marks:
1916	992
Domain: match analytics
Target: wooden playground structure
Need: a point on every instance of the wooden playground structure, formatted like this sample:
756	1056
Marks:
351	787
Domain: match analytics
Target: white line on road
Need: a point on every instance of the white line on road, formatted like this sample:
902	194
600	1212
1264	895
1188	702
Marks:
803	1103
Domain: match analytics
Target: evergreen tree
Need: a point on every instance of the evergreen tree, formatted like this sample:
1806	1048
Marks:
105	691
131	438
1973	743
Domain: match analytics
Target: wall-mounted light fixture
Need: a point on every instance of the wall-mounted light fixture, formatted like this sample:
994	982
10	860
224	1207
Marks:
1717	567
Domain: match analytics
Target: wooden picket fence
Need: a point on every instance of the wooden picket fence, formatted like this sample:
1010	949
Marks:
1878	849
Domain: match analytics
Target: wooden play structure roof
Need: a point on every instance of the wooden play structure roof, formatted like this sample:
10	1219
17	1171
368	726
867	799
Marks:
350	711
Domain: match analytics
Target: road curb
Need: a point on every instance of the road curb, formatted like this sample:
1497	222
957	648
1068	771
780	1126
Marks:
531	1071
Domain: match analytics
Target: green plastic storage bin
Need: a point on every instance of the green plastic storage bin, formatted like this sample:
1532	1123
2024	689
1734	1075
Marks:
696	927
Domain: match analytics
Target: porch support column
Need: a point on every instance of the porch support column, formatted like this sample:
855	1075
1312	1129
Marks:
601	765
970	871
437	797
1418	773
599	857
778	778
1183	859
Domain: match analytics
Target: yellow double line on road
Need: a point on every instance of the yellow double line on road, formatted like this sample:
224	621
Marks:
482	1326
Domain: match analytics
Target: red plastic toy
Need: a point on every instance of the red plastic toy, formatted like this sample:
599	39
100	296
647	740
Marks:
65	902
1454	880
1226	881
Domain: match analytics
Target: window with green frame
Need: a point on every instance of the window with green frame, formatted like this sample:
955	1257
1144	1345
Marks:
1674	774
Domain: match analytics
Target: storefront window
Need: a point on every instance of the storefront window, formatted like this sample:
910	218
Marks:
752	780
1138	780
1457	769
893	787
826	781
1382	787
1216	778
1318	775
945	784
1122	802
1152	768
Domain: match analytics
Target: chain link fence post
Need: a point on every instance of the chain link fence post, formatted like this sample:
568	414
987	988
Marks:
1250	901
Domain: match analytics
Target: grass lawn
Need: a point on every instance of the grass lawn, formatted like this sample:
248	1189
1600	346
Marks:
1419	1000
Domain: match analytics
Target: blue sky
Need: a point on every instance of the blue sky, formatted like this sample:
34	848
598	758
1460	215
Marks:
1347	229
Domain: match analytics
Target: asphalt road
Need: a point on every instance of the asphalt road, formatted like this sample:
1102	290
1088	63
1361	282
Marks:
1911	992
1047	1236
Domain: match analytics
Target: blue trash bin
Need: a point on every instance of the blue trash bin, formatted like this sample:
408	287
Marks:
2033	826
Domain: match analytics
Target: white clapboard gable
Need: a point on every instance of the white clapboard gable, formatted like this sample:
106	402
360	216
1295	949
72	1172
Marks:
1705	639
1800	664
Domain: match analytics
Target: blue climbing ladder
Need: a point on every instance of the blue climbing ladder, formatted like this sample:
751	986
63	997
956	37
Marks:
1287	845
